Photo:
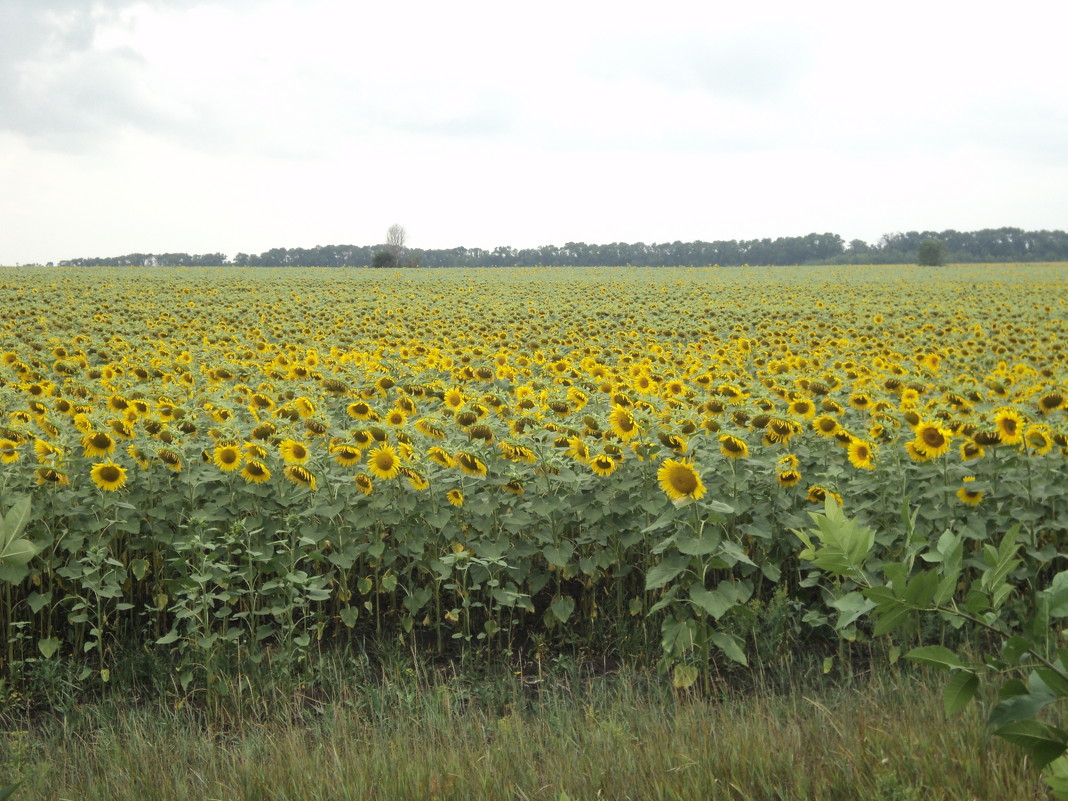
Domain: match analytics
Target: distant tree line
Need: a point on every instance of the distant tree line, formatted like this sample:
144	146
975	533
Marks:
988	245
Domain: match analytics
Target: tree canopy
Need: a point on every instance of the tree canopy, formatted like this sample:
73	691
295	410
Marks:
987	245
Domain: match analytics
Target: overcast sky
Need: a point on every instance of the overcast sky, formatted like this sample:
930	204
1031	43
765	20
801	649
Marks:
242	125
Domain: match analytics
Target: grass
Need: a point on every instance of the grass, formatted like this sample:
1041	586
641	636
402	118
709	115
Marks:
400	732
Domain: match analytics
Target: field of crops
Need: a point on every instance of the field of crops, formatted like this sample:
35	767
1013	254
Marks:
242	463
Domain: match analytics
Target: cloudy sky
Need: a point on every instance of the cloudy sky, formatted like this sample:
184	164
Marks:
242	125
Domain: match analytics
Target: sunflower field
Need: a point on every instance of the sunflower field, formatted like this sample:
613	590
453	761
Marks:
224	464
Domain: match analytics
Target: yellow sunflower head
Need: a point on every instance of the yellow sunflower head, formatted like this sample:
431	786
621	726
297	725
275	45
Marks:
108	476
383	462
680	481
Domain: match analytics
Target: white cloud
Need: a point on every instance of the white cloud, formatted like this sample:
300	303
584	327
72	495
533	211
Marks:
240	126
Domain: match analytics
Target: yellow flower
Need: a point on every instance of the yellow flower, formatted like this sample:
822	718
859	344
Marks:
788	478
732	447
383	462
9	451
346	455
470	464
108	476
1009	424
227	457
818	494
455	497
255	472
294	452
98	443
679	480
300	476
969	496
860	455
602	464
364	483
932	439
623	423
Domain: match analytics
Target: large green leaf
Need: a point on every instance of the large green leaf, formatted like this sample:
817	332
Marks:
960	689
666	570
1042	741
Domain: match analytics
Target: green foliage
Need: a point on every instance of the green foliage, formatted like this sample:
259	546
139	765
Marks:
384	259
989	591
931	253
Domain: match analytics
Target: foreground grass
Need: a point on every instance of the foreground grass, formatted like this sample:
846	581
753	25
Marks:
403	735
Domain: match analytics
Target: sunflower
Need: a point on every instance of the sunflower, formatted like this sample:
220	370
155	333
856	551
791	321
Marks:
1009	424
301	476
346	455
860	401
514	486
860	455
9	452
970	449
818	494
455	497
674	442
108	476
623	423
264	430
139	456
602	464
440	456
969	496
255	451
293	452
1038	439
732	447
1051	402
48	475
227	457
98	443
255	472
416	479
469	463
396	418
383	462
429	429
680	481
825	426
364	483
916	452
361	410
933	439
170	458
453	399
518	453
788	478
802	408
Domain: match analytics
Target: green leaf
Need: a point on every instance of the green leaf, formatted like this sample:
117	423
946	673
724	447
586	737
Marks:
935	655
677	636
960	689
559	555
684	676
850	607
730	646
349	615
1021	707
168	638
48	647
664	572
562	607
711	601
9	790
892	619
921	590
1041	741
